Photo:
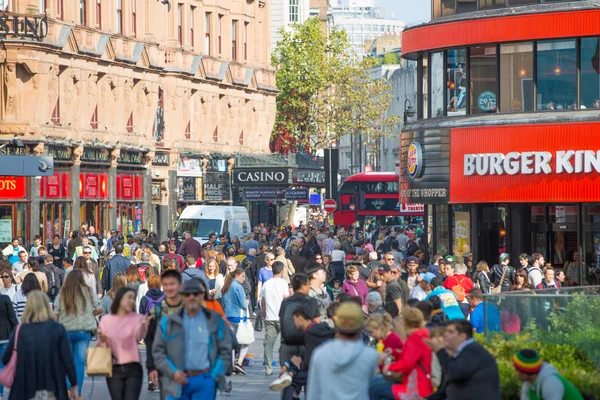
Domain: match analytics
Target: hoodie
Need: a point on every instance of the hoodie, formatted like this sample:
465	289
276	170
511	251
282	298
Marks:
346	376
315	335
415	356
154	294
549	385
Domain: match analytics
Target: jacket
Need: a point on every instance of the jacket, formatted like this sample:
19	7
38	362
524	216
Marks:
288	267
496	275
473	372
415	355
53	353
8	318
191	247
483	281
234	302
315	335
168	349
154	294
359	289
549	385
117	264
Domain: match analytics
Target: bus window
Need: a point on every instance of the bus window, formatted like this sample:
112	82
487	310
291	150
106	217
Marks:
348	187
380	187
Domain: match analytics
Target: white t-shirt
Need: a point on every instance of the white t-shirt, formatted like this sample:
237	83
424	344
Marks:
338	255
418	293
274	291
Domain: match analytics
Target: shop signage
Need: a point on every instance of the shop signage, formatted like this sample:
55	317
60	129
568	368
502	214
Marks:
379	204
216	186
161	159
15	151
6	230
412	209
525	163
22	26
308	177
189	167
186	188
93	185
486	101
296	194
95	155
131	157
264	194
13	187
59	153
156	191
414	161
258	176
56	186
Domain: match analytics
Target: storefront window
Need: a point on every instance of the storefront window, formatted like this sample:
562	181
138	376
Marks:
57	220
591	244
436	92
456	82
461	231
442	234
556	75
448	7
425	87
590	73
21	221
430	231
516	77
483	76
483	4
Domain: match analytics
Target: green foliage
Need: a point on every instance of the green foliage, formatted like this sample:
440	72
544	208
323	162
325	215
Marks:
325	91
391	58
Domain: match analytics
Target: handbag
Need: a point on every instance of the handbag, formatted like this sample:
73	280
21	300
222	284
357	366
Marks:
245	331
99	361
259	323
7	375
498	289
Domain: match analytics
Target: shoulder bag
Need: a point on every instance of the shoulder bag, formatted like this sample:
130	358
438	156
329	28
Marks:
498	289
99	361
245	332
7	375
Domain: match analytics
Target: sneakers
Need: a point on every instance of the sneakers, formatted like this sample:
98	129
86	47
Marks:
281	383
267	373
239	369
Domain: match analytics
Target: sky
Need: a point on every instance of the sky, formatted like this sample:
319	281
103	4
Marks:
409	11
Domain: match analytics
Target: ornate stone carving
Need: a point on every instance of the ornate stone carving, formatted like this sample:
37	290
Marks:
77	153
10	84
114	156
38	150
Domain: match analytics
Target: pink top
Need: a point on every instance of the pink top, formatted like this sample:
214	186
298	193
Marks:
124	332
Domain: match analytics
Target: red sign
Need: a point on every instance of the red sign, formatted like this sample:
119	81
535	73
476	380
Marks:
57	186
129	187
13	187
412	209
330	206
525	163
93	185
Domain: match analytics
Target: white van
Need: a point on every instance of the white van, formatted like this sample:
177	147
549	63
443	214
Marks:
203	220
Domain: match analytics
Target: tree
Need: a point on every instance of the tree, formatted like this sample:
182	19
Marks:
326	92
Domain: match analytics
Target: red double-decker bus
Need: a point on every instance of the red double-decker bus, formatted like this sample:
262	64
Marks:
373	197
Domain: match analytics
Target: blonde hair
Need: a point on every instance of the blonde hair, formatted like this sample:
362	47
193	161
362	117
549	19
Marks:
482	266
413	318
350	270
383	320
38	308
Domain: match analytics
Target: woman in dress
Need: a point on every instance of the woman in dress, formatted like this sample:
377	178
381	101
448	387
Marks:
215	279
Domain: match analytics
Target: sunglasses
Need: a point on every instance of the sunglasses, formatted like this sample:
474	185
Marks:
87	252
5	277
389	259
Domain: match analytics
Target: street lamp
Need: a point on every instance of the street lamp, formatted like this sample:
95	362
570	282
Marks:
409	111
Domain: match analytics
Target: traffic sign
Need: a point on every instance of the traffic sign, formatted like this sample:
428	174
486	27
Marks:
330	205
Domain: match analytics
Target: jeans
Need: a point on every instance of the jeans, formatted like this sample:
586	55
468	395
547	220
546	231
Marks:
381	388
272	329
126	381
298	381
2	348
199	387
79	341
286	352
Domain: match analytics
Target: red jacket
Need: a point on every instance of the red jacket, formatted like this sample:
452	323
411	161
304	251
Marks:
462	280
416	355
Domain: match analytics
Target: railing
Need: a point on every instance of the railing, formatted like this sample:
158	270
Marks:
444	8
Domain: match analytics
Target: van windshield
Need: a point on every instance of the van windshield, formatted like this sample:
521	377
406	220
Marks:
199	227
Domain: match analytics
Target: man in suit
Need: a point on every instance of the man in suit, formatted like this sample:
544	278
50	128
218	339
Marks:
471	370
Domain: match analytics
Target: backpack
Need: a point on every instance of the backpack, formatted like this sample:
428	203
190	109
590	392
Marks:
53	281
459	291
177	259
152	303
289	333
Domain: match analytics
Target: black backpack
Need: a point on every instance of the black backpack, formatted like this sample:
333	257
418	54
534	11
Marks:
53	281
289	333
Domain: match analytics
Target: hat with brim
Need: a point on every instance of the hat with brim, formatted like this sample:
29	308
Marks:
192	286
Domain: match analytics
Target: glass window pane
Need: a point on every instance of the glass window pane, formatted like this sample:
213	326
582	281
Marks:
590	73
448	7
425	88
556	75
464	6
516	77
483	79
523	2
436	93
442	233
21	221
491	4
456	81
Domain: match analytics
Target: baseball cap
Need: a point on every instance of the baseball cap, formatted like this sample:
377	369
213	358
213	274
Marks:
427	277
192	286
412	259
383	268
348	318
449	258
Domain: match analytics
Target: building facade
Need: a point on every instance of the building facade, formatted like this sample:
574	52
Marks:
504	149
285	13
143	105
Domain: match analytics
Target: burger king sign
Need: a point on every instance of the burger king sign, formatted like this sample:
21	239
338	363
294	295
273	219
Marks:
414	161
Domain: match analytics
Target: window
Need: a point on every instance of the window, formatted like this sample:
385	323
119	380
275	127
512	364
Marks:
294	10
129	126
119	17
94	120
516	77
179	23
133	19
55	119
590	73
448	7
483	78
59	9
216	134
192	16
464	6
425	87
219	26
436	91
380	187
98	14
523	2
456	82
491	4
82	17
556	75
188	130
234	40
241	138
246	40
207	34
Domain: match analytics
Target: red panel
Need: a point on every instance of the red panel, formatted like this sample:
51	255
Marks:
138	185
42	186
66	185
118	182
104	186
13	187
501	29
554	186
52	186
127	187
91	186
81	181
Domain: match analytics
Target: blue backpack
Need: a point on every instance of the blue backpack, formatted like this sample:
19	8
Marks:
152	303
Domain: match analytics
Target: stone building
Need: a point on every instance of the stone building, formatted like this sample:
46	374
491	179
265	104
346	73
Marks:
143	105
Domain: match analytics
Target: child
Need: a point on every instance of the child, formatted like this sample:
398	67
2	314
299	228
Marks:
337	288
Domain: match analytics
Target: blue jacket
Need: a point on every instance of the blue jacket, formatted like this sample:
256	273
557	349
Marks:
234	301
116	265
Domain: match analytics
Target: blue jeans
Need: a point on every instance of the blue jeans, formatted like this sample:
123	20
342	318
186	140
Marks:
381	388
2	348
199	387
79	341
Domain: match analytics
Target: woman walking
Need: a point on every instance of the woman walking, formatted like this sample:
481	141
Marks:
153	296
354	286
8	287
235	307
482	278
76	309
44	359
134	280
119	281
8	322
30	283
121	330
215	279
91	274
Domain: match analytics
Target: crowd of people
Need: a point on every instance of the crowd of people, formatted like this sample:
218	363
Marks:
358	316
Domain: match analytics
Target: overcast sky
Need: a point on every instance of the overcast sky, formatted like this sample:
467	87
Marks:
410	11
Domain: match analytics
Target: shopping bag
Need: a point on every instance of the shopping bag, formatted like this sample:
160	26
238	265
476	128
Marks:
99	361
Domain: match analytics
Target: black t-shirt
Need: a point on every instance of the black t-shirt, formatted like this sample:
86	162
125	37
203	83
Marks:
393	291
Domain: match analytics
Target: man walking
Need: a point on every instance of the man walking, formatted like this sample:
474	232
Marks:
54	274
272	295
117	264
190	247
192	348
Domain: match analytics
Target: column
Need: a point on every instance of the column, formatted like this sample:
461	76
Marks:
147	205
75	199
112	188
34	208
171	214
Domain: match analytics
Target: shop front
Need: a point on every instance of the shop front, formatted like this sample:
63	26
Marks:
14	213
130	192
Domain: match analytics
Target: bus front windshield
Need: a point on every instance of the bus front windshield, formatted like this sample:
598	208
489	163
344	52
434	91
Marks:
199	227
